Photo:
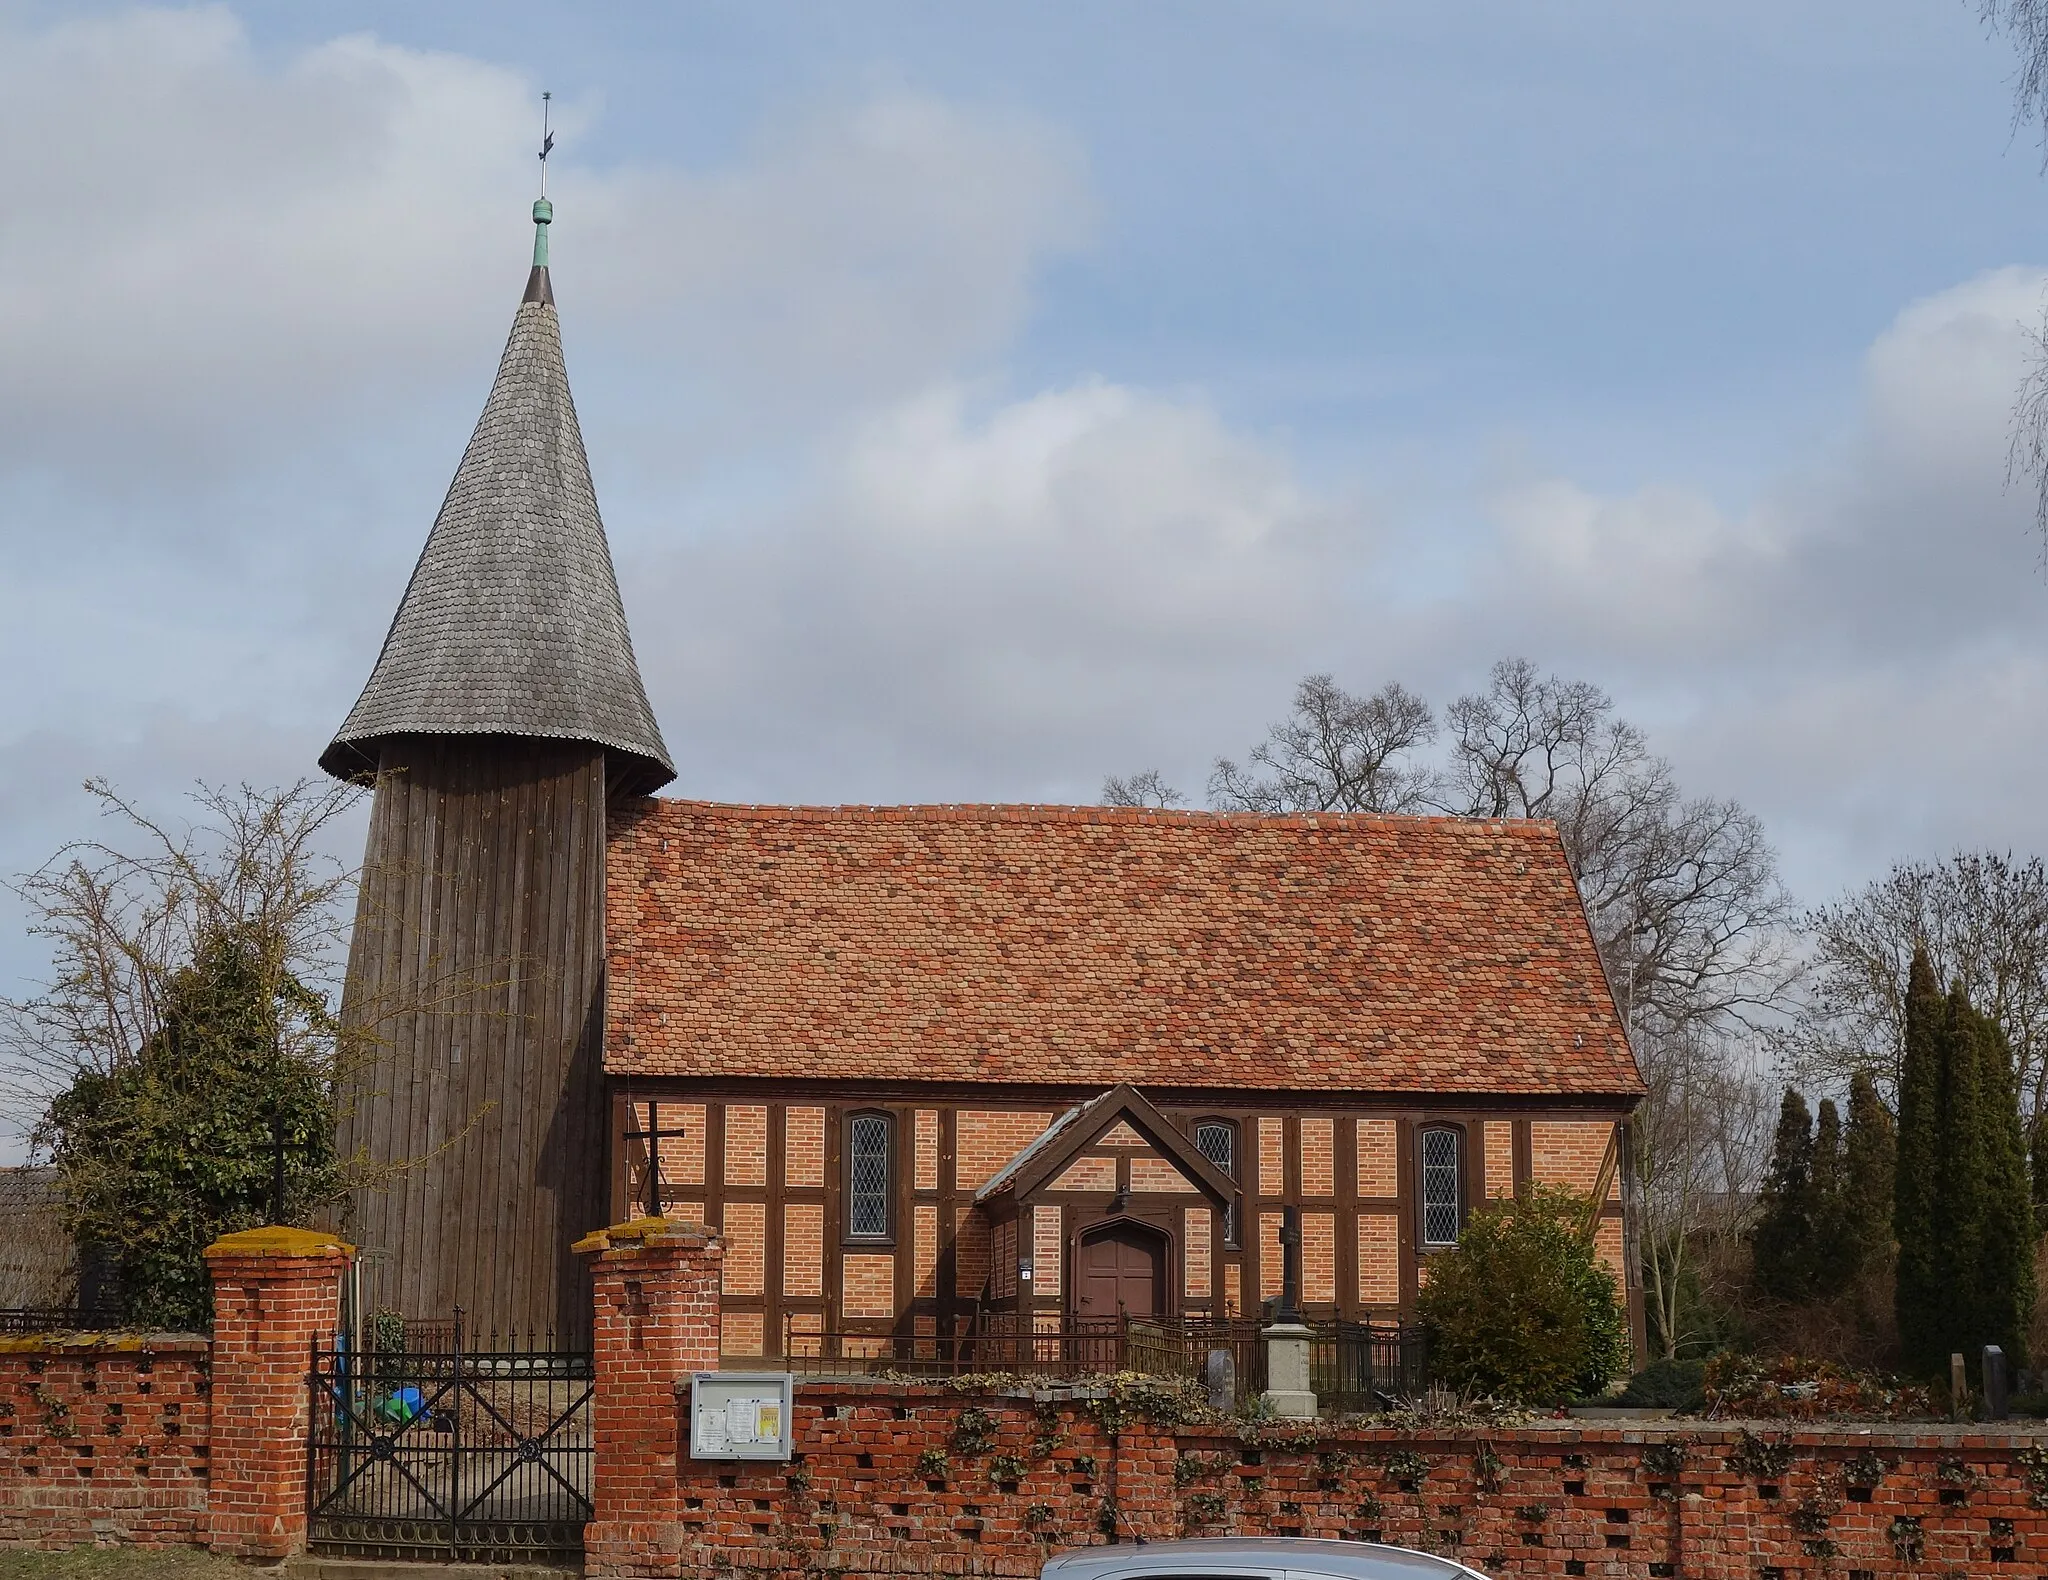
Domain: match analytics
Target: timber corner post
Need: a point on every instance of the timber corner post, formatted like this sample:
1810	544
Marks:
654	1289
274	1291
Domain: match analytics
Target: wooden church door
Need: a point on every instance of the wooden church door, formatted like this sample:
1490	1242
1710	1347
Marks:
1121	1267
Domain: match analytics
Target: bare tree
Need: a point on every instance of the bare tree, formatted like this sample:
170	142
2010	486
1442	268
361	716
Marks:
1532	745
1682	894
2025	23
1983	918
1699	1144
1334	753
1145	788
123	916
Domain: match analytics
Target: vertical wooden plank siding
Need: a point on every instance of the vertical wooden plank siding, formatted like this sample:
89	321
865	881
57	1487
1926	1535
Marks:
772	1242
1344	1166
475	975
949	1255
1406	1237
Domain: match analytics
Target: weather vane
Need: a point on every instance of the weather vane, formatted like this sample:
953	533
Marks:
547	143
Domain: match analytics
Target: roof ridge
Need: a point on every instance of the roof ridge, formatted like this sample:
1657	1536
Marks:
1062	812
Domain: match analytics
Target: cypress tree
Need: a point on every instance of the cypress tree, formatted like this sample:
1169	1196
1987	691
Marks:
2037	1157
1962	1206
1833	1254
1919	1297
1783	1242
1870	1163
2002	1291
1964	1180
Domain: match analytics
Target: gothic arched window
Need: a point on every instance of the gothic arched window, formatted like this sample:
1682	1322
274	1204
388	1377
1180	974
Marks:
870	1172
1443	1184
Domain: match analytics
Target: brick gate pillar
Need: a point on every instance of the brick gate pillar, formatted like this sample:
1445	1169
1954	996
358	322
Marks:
273	1290
654	1282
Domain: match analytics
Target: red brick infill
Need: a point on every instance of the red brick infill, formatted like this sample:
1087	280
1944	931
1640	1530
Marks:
273	1290
103	1438
923	1480
655	1284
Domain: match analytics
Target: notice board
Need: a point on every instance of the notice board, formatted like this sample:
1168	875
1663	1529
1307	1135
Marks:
740	1415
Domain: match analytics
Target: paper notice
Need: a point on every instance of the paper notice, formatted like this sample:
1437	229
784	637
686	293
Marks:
768	1421
710	1431
740	1416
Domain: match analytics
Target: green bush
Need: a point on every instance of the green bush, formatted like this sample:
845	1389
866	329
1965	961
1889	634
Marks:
1520	1309
176	1147
1667	1385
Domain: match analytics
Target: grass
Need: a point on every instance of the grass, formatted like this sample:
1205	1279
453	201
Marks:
117	1563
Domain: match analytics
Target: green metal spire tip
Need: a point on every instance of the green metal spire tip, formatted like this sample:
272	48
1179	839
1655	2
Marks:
543	216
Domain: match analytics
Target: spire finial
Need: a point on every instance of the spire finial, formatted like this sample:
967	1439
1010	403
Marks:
543	210
547	142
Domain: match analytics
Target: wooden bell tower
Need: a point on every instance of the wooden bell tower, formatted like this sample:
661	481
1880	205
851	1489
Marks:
503	713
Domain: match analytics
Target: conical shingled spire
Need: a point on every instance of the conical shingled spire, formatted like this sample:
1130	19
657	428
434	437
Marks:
512	623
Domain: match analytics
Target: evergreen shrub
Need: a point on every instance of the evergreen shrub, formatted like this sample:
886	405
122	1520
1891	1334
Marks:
1520	1309
1667	1385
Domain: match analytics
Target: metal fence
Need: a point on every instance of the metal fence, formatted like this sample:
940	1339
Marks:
60	1319
443	1448
1360	1366
1075	1347
1354	1366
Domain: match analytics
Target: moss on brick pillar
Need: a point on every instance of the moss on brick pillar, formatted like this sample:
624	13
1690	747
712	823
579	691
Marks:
274	1289
654	1288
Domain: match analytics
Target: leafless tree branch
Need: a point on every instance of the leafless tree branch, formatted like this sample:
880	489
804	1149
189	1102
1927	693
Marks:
1334	753
1146	788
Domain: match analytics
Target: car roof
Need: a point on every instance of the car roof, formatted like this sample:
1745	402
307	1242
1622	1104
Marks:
1353	1560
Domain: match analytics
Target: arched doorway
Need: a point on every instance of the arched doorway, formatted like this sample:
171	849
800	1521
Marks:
1120	1267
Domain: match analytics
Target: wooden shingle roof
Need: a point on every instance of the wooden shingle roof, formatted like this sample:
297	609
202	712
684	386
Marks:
512	623
1089	945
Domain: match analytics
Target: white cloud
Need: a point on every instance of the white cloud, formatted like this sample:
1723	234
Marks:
1862	651
213	251
998	602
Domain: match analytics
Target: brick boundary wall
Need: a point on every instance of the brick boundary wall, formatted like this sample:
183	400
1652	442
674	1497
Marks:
105	1439
175	1440
172	1440
867	1495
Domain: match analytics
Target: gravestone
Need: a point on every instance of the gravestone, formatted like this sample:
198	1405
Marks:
1997	1394
1222	1377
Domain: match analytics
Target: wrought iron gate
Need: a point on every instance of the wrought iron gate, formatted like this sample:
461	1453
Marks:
423	1447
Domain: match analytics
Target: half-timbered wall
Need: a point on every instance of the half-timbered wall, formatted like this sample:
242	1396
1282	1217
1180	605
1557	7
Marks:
771	1175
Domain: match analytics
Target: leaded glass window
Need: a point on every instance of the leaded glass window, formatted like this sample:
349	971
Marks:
1216	1140
867	1176
1442	1198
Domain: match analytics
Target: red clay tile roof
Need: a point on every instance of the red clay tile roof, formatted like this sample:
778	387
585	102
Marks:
1026	944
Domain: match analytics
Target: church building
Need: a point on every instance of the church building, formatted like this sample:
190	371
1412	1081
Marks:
925	1067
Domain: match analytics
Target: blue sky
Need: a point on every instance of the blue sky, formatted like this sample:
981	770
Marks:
984	399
